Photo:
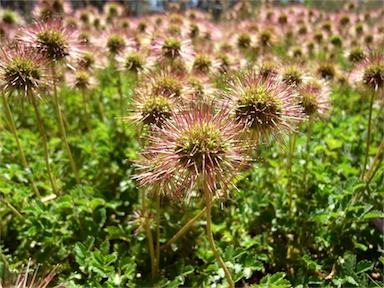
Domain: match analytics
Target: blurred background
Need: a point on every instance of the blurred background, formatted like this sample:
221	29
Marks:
215	7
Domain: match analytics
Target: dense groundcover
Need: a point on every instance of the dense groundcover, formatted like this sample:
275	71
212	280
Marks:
176	151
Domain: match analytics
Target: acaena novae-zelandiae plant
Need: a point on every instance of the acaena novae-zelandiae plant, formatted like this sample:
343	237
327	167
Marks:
60	44
266	108
369	75
198	151
22	75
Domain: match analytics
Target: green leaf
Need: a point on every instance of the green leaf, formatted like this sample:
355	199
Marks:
333	144
363	266
373	214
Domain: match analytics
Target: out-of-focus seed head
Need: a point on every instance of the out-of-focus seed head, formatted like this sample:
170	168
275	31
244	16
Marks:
244	40
166	84
336	41
194	30
174	30
314	98
344	20
326	26
326	70
266	38
268	69
292	75
116	44
52	9
368	39
151	110
134	62
282	19
10	17
318	37
171	47
81	80
202	63
355	55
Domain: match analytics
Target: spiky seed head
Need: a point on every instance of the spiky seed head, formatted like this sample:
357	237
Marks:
134	62
22	71
355	55
202	63
302	30
116	44
282	19
344	20
171	47
266	108
318	37
224	61
194	30
292	76
258	107
268	69
314	98
244	40
81	80
198	148
9	17
53	39
373	72
174	30
326	26
266	38
326	70
359	29
166	85
336	41
141	26
152	110
86	61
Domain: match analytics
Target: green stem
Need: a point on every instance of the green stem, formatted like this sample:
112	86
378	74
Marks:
309	133
375	159
24	162
375	171
292	144
184	229
100	106
61	126
45	145
13	209
85	110
368	136
149	233
208	203
121	96
157	233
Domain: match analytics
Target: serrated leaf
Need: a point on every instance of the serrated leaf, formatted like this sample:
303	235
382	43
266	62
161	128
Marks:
351	280
363	266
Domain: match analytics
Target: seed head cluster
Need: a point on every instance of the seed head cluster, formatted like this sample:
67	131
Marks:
206	92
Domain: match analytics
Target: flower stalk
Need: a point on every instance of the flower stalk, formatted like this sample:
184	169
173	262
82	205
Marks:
368	135
61	125
24	162
208	203
45	145
147	225
309	135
